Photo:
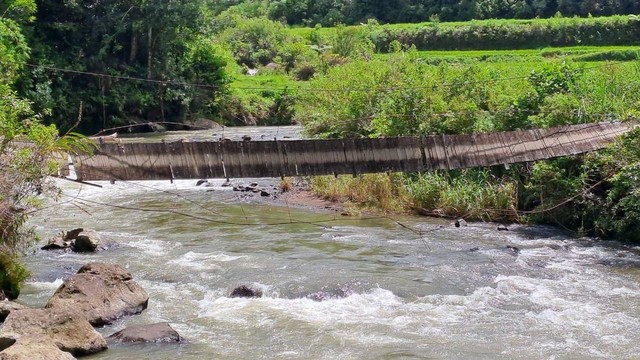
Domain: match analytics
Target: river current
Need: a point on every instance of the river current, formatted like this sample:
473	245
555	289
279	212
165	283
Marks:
344	287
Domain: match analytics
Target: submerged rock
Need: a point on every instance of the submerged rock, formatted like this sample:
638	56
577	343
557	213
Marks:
30	347
102	292
460	222
6	307
503	228
513	249
66	328
154	333
245	291
202	181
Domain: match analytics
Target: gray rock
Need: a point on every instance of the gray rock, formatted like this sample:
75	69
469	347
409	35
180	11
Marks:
30	347
103	292
79	240
57	242
154	333
202	181
6	307
84	240
67	329
206	124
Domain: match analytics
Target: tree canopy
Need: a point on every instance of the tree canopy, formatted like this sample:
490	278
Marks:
332	12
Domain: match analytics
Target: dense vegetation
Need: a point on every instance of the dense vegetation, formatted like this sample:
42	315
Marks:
27	151
402	94
330	13
494	34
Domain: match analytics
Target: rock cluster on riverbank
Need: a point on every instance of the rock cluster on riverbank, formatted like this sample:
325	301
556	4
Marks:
96	295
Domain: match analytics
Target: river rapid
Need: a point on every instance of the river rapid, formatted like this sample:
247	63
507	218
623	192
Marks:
344	287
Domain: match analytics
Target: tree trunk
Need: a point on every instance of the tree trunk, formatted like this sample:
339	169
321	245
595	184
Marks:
134	47
149	51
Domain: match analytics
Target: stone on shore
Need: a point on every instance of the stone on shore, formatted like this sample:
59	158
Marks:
30	347
67	329
102	292
154	333
6	307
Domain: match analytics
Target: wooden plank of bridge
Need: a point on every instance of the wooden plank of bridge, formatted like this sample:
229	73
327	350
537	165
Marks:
522	147
132	161
436	155
410	156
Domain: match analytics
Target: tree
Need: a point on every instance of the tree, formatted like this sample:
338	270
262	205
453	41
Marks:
27	154
150	40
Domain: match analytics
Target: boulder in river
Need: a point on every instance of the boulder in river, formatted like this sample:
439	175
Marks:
154	333
67	329
202	181
245	291
6	307
30	347
206	124
78	240
103	292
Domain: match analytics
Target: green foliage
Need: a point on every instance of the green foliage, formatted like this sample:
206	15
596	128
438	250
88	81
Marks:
29	152
469	194
501	34
20	11
332	12
254	41
157	41
12	275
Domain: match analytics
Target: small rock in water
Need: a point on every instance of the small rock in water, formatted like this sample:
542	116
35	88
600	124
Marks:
202	181
246	138
244	291
460	222
239	187
474	249
154	333
253	184
503	228
264	193
513	249
227	183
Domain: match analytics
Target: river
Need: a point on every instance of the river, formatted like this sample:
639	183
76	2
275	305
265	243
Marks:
410	288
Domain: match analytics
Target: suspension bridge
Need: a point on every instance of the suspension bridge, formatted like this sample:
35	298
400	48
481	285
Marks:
224	158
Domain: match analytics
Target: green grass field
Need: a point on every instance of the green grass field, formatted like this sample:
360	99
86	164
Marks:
506	62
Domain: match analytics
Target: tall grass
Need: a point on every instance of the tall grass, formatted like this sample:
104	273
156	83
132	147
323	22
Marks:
470	194
379	192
